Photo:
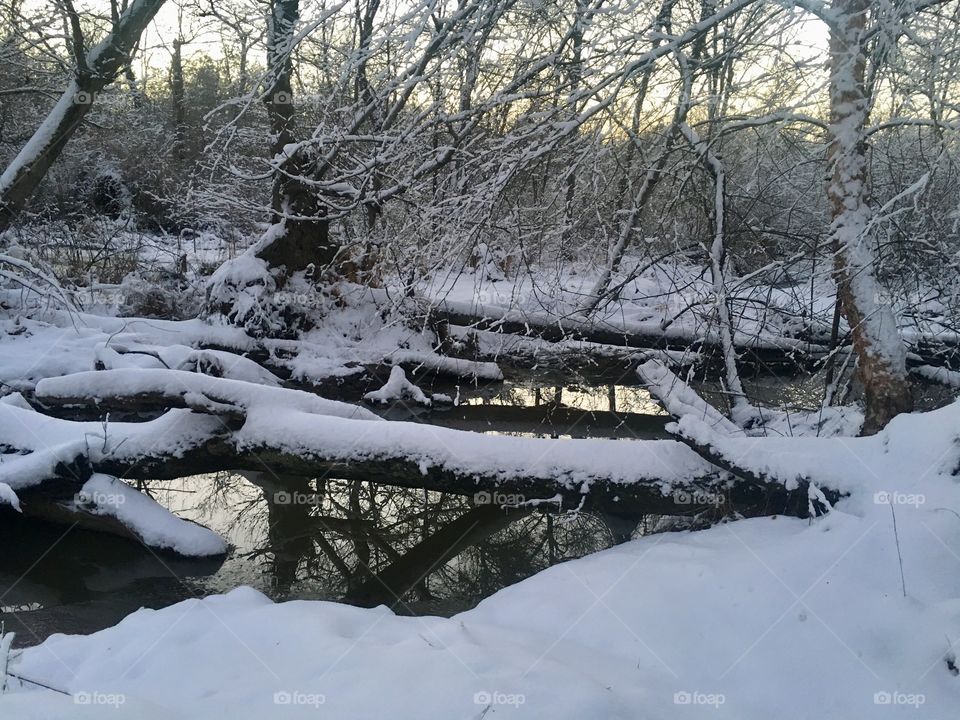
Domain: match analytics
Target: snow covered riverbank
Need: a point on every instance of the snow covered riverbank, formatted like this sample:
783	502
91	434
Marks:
770	617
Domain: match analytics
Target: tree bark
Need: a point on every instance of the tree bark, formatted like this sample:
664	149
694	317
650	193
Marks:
295	206
880	351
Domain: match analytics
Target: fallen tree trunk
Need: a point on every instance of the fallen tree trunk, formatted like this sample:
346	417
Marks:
704	429
288	434
769	352
681	496
550	418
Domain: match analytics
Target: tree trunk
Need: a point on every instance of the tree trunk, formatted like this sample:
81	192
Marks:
96	69
178	98
880	351
295	206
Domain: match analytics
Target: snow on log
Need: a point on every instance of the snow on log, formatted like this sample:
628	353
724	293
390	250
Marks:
679	399
760	348
9	497
148	389
218	363
398	388
940	375
156	526
723	444
107	505
529	351
443	365
36	447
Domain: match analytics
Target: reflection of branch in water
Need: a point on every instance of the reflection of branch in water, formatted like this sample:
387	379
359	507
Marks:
311	549
446	542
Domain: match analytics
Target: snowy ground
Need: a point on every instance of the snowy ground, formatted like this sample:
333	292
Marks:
852	615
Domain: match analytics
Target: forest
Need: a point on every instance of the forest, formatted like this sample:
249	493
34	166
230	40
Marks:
534	358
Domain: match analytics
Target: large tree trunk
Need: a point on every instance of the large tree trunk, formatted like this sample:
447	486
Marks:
296	207
95	70
879	348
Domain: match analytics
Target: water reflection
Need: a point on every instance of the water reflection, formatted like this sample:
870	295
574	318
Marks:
566	411
373	544
419	552
63	579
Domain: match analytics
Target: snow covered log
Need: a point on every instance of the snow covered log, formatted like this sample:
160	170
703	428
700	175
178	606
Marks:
105	504
765	351
679	399
550	416
148	389
304	436
720	442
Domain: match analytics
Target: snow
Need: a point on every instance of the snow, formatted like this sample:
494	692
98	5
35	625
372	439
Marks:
50	441
41	139
749	620
155	525
944	376
398	387
130	382
9	497
181	357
